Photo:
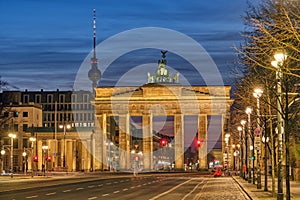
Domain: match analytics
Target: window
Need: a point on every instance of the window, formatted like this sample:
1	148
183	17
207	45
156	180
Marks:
25	142
25	114
25	126
16	142
74	98
16	127
26	98
38	98
61	98
50	98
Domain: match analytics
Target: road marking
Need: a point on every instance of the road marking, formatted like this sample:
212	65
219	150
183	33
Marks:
132	187
121	181
92	198
91	186
192	190
125	189
170	190
116	182
108	183
32	197
139	186
67	191
51	193
79	188
104	195
115	192
100	185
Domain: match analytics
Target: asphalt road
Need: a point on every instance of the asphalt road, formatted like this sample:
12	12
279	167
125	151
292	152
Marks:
152	187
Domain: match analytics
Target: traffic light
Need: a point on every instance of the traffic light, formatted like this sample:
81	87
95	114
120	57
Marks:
35	158
199	142
16	113
49	158
163	142
252	157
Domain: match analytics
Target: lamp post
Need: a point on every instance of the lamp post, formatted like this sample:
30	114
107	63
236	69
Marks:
45	148
248	112
240	129
64	127
257	94
2	155
24	154
265	140
227	135
280	57
12	137
32	140
245	147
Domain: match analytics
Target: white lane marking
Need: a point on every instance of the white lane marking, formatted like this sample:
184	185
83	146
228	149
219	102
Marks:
108	183
52	193
121	181
132	187
125	189
115	192
32	197
139	186
192	190
100	185
170	190
104	195
91	198
67	191
91	186
116	182
79	188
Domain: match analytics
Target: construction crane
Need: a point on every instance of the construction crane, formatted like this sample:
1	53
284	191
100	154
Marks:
4	85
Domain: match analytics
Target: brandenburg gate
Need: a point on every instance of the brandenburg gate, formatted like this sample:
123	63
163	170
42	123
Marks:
161	96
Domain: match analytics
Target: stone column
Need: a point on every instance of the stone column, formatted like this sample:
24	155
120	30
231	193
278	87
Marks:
179	141
202	136
124	142
40	154
98	144
147	142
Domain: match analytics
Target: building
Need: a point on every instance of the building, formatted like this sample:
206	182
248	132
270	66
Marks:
55	108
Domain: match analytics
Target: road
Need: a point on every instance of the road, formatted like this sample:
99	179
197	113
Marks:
152	187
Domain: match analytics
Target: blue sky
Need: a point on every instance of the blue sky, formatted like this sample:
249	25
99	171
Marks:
43	43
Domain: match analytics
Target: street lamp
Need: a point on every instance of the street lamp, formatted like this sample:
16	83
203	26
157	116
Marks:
12	137
265	140
227	135
2	155
45	148
32	140
280	57
24	154
240	129
64	127
245	147
257	94
248	112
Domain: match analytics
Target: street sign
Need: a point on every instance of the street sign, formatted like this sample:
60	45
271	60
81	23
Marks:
257	132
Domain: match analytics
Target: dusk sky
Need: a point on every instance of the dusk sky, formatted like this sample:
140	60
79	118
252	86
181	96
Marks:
43	43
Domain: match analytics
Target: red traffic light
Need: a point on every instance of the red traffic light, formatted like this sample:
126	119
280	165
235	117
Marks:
163	142
49	158
35	158
199	143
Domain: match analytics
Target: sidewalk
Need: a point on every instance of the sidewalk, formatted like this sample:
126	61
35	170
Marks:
254	193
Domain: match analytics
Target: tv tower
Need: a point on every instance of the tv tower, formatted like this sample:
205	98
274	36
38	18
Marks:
94	73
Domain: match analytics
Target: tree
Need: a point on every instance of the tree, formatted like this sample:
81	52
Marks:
272	25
